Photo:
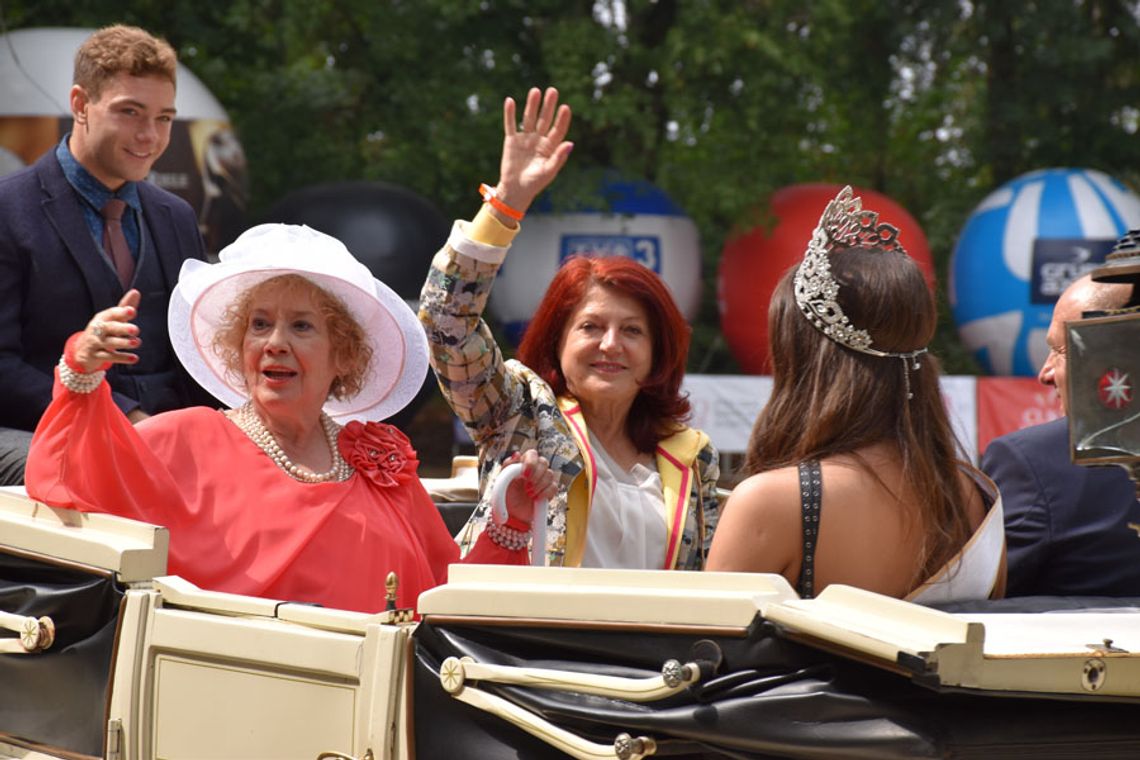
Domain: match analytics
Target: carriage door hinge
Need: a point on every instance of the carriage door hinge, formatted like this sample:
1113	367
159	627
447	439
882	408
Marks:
114	741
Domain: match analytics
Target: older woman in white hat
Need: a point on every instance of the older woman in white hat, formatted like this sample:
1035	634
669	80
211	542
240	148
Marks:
295	491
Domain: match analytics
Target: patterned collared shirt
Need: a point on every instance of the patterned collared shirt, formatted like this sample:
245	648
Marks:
95	195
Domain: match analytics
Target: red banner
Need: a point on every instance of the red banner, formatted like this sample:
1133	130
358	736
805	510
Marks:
1006	404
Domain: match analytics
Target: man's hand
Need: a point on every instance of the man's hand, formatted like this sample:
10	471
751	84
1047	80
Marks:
135	416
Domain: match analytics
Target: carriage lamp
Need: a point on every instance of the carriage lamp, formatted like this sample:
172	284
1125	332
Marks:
1103	366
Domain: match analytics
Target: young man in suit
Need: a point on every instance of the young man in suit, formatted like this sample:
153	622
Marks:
80	227
1070	530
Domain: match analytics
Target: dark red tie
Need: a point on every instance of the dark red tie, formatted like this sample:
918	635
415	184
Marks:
115	243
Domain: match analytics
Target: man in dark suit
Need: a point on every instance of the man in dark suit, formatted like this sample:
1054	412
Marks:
1070	530
66	253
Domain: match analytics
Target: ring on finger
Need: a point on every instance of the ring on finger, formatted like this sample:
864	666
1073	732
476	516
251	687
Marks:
99	329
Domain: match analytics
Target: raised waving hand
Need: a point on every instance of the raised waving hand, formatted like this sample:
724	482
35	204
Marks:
534	149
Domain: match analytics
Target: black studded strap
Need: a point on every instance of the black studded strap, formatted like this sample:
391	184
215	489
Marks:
811	495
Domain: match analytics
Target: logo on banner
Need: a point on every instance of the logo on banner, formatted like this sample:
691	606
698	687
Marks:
1114	389
644	249
1057	262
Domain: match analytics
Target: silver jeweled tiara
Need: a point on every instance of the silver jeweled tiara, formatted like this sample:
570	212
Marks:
844	224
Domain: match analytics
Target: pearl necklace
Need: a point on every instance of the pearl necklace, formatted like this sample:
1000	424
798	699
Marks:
250	423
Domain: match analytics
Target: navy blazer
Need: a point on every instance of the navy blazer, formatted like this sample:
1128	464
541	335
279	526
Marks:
53	278
1069	529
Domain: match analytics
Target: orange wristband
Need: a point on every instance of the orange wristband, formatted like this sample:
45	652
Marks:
488	194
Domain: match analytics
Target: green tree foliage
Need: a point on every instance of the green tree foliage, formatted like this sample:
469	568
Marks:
718	102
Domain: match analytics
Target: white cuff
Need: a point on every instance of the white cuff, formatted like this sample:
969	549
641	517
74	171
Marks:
459	241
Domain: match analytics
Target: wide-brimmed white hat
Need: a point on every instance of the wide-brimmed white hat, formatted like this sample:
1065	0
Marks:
204	292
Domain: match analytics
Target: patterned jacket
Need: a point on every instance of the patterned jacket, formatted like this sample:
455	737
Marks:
506	407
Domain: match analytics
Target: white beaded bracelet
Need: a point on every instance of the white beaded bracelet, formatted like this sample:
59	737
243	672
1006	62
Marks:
508	538
79	382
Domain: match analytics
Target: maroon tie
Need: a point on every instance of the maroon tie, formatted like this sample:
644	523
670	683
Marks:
115	243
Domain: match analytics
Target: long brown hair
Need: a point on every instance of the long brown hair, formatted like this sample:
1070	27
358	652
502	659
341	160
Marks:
828	399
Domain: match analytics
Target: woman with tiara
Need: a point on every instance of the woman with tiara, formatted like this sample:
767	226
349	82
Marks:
854	473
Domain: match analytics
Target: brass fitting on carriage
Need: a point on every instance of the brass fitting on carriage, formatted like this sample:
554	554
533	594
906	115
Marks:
393	615
34	635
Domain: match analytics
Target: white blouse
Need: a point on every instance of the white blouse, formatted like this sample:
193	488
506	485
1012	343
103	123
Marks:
627	517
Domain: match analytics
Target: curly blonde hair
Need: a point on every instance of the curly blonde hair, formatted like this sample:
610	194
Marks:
350	350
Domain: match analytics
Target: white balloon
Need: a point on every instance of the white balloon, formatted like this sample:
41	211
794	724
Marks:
36	72
667	244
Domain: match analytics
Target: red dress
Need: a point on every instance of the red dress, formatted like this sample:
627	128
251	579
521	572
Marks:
237	522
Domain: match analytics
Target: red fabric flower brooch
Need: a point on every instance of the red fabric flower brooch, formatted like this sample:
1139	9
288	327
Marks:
379	452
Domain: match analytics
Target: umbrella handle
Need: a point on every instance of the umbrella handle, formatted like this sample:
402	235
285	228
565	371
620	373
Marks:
538	522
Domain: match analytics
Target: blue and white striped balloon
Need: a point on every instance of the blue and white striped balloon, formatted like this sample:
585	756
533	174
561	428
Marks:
1019	248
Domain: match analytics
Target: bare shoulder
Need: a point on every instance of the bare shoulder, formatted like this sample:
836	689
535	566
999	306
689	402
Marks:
768	493
759	526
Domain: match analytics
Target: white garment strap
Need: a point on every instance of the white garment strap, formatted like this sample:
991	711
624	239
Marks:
972	573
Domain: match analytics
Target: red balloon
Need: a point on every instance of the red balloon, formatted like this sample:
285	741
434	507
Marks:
752	263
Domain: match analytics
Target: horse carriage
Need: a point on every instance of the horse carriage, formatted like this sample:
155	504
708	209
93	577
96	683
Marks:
102	655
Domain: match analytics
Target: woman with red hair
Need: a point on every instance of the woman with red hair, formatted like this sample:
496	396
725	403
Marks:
596	388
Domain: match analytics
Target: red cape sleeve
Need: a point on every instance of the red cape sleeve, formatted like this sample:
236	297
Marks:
441	547
86	455
487	552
